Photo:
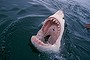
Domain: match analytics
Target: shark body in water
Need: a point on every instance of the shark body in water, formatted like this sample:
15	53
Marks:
48	38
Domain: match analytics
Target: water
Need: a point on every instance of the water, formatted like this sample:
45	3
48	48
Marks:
19	20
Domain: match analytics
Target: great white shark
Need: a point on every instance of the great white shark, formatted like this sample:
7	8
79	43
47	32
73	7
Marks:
48	38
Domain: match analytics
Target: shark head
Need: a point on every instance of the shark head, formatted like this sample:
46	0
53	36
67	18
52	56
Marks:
48	38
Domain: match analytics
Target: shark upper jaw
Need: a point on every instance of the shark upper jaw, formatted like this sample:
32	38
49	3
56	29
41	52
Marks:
49	36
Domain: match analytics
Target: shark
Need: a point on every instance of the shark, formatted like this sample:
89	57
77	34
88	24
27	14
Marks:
48	38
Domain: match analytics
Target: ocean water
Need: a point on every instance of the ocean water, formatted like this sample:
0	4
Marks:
20	19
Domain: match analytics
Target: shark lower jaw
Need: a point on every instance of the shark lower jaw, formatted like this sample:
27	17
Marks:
48	34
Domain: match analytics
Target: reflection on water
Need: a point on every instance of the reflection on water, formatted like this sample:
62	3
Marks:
19	20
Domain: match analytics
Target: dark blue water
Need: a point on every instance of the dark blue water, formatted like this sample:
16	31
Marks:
20	19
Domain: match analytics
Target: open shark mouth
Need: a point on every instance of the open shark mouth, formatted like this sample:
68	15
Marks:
50	31
49	36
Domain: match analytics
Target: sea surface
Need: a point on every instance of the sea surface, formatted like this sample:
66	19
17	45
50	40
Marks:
20	19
